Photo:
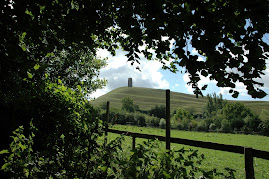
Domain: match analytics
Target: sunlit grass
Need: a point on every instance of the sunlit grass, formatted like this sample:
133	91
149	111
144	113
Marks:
214	158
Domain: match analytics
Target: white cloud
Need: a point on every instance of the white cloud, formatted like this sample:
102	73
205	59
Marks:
203	81
265	78
186	79
119	70
240	87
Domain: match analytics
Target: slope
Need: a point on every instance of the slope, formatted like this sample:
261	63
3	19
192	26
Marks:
146	98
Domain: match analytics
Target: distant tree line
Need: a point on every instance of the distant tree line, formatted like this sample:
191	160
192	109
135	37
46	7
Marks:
218	115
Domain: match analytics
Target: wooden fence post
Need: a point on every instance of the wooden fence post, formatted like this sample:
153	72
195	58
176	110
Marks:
133	142
249	169
106	123
107	118
168	147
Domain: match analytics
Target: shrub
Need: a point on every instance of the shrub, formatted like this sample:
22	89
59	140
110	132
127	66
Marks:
128	105
140	119
158	111
264	126
202	126
152	121
148	160
212	126
252	123
226	126
162	124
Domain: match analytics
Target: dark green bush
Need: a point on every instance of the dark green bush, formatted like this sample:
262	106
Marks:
158	111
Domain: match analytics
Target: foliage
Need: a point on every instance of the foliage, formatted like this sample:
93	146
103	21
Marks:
128	104
264	116
235	114
59	160
106	160
158	111
182	119
214	103
152	121
229	117
162	123
147	160
75	67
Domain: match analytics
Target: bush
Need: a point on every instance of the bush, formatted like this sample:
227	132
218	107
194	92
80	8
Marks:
264	126
226	126
128	105
152	121
237	124
202	126
212	127
141	119
252	123
148	160
162	124
158	111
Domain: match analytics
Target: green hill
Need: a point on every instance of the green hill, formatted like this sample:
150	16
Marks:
146	98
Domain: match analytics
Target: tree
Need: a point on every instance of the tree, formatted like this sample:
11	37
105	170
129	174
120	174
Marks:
182	119
228	33
75	67
158	111
235	113
128	104
214	104
264	126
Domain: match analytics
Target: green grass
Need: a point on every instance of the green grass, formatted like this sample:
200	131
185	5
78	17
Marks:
146	98
214	159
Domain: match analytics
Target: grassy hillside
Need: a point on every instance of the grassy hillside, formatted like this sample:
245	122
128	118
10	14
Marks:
146	98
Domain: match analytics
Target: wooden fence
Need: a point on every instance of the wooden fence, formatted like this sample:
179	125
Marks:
249	153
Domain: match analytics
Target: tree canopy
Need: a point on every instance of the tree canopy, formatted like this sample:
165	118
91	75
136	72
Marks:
228	33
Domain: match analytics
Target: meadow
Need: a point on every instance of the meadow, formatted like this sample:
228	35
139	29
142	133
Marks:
213	158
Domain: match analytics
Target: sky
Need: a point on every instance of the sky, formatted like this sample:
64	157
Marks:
118	70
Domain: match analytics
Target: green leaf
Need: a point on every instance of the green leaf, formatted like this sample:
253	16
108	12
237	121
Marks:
26	172
4	152
79	87
60	81
166	174
64	88
37	66
22	146
5	166
103	168
29	75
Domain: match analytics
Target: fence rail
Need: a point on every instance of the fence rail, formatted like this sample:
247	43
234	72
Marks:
208	145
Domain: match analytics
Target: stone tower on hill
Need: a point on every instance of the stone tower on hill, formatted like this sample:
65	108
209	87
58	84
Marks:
130	83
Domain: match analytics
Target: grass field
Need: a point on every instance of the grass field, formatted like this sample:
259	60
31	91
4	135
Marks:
214	159
146	98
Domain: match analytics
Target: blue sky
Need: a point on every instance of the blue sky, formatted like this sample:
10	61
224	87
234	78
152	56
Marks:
152	75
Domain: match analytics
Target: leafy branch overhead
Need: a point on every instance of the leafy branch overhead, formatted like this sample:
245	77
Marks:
228	33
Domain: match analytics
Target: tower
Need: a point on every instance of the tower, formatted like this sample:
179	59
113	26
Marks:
130	83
